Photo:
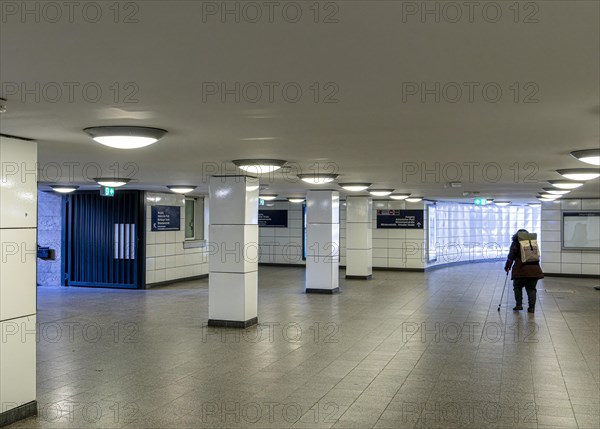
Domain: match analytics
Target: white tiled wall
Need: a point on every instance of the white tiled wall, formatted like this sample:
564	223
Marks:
282	245
397	248
18	231
554	259
166	257
391	248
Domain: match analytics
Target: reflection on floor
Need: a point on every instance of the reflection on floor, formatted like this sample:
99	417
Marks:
402	350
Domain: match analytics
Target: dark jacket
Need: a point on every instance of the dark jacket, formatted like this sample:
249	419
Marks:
520	270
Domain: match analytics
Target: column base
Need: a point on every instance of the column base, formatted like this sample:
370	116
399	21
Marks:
22	412
323	291
233	323
369	277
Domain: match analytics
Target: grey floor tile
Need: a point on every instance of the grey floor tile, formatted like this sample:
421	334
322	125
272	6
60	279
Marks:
174	374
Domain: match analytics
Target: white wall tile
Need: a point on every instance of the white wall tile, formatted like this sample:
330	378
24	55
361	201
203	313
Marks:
570	268
571	257
551	236
549	267
589	204
551	215
590	257
551	225
590	269
160	263
571	204
551	257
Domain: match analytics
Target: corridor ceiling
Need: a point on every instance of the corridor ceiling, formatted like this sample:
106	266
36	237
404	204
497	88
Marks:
494	96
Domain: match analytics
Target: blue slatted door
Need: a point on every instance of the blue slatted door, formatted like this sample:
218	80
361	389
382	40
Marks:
103	238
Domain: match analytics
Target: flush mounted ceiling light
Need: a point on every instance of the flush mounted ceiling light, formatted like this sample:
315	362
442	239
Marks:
268	197
125	137
64	189
565	184
549	196
381	192
355	187
112	182
317	178
556	191
581	174
547	200
589	156
414	199
534	205
296	200
503	203
259	166
258	139
181	189
399	196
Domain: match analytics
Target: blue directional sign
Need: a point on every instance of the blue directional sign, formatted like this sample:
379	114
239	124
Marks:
166	218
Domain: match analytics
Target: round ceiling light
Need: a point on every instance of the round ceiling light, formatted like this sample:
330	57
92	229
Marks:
259	166
589	156
181	189
399	196
296	200
556	191
317	178
565	184
125	137
535	205
503	203
355	186
547	200
64	189
267	197
414	199
581	174
381	192
549	196
112	182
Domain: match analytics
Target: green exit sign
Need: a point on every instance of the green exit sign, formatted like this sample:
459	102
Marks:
480	201
107	191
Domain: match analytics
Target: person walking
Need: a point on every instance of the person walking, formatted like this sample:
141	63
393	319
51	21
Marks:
524	274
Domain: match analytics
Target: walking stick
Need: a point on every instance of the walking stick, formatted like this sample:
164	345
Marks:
505	281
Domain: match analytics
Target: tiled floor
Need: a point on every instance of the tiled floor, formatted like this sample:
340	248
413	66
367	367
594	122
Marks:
402	350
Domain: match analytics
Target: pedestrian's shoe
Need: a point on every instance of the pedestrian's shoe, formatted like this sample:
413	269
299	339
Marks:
531	310
518	307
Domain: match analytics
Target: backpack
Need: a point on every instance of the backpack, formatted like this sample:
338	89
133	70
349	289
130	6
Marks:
530	251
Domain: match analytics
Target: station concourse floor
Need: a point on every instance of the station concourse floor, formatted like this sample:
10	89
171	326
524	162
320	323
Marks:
403	350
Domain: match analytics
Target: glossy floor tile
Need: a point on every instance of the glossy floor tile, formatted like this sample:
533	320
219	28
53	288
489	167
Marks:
404	350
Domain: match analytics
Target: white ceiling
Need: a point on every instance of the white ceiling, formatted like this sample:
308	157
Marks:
369	135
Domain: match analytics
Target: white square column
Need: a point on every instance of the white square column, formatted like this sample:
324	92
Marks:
322	241
359	238
18	241
233	252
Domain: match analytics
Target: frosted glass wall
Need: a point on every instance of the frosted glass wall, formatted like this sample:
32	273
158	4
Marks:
465	232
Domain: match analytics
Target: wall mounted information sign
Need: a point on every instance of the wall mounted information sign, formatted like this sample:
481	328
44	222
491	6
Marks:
581	231
273	218
400	219
166	218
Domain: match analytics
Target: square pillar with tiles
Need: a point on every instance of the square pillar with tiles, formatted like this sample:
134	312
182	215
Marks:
233	252
359	237
322	241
